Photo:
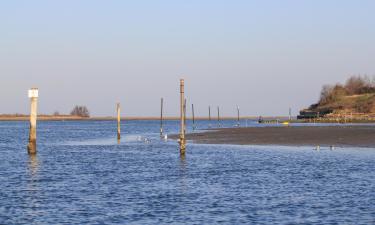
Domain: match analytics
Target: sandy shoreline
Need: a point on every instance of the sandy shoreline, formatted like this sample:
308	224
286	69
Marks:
339	136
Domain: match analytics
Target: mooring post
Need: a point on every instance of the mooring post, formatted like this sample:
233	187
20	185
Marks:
118	122
182	117
238	116
161	117
33	95
209	116
218	116
192	110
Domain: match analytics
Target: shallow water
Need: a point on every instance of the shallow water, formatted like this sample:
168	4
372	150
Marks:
82	176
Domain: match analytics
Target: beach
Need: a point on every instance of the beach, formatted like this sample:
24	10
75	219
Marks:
339	136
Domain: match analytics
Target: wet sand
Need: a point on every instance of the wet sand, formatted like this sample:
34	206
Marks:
339	136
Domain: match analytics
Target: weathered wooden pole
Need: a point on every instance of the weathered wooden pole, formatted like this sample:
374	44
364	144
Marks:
209	116
118	122
161	117
238	116
33	95
218	116
182	117
192	110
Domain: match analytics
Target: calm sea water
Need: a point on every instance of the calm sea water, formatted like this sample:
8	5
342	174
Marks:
81	175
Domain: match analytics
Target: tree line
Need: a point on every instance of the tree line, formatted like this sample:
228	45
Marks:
355	85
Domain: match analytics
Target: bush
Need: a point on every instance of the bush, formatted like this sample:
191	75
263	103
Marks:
364	104
81	111
331	93
355	85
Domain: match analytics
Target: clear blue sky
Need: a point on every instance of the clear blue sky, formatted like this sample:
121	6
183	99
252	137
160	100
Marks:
261	55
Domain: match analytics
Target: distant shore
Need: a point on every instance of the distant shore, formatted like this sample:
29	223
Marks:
339	136
68	117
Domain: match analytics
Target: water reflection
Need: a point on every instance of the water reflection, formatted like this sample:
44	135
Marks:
33	166
182	162
33	197
183	174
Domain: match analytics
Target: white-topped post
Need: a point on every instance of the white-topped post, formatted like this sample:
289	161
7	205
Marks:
33	95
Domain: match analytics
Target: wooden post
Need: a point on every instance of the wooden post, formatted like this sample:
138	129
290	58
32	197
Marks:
290	114
182	117
192	111
238	116
33	95
161	117
209	116
118	122
218	116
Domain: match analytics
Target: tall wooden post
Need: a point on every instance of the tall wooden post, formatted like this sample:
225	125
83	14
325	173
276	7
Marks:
118	122
33	95
238	116
161	117
218	116
192	111
209	116
182	117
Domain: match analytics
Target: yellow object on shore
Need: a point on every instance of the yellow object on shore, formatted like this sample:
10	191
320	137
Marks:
285	123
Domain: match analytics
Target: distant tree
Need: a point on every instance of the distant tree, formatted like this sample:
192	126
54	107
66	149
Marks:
56	113
338	92
325	94
356	85
81	111
331	93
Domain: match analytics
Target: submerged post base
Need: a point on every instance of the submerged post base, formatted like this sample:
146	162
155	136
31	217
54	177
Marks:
31	148
182	143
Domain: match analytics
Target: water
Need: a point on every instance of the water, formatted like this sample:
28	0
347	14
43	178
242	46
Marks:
82	176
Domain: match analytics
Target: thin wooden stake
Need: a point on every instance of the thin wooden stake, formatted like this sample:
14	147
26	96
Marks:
192	110
161	117
118	122
238	116
182	117
209	116
218	116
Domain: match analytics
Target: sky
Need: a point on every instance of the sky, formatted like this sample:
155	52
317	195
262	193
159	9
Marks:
264	56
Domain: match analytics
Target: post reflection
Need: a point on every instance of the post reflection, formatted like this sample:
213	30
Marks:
183	174
182	162
33	196
33	166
